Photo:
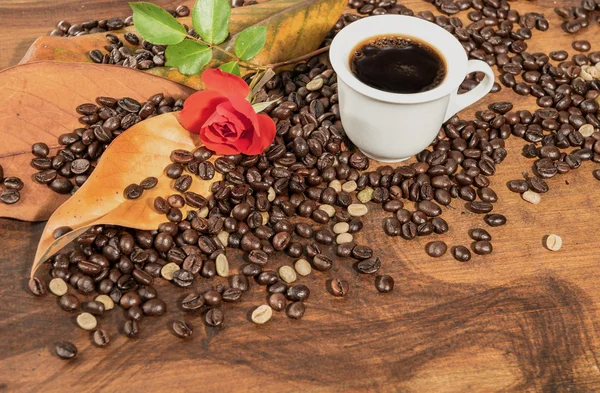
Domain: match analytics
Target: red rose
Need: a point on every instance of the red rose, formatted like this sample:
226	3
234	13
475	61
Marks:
225	120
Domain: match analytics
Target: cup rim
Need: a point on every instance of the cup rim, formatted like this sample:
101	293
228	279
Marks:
339	54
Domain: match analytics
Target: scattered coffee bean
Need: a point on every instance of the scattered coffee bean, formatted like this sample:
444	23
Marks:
101	338
368	266
57	286
37	286
436	248
277	301
531	197
461	253
287	274
68	302
193	301
131	328
262	314
108	303
87	321
303	267
338	287
483	247
553	242
65	350
480	234
182	329
384	283
295	310
581	45
495	220
214	317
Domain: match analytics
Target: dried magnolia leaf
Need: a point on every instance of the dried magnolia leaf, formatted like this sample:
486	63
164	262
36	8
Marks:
38	105
143	151
294	28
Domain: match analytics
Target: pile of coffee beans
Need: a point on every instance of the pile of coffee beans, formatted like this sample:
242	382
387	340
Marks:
577	18
306	194
67	29
80	150
10	188
138	53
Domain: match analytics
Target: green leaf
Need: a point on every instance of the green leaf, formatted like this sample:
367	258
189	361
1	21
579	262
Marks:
210	19
156	25
261	106
190	57
250	42
232	67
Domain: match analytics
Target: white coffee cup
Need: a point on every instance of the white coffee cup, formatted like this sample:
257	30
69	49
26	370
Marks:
390	127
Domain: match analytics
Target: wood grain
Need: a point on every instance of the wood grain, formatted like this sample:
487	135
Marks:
523	319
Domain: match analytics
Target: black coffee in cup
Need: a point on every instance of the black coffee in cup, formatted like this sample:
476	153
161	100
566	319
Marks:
398	64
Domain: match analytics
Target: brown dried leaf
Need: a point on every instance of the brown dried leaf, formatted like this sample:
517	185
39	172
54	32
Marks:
295	28
142	151
38	102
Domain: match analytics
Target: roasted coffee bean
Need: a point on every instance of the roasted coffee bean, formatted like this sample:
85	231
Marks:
65	350
212	298
277	301
174	171
461	253
298	292
321	262
384	283
68	302
154	307
581	45
37	286
368	266
192	302
478	234
232	294
133	191
538	185
519	186
295	310
482	247
479	207
182	329
13	183
214	317
436	249
101	338
495	220
338	287
183	278
93	307
131	328
392	226
149	183
10	197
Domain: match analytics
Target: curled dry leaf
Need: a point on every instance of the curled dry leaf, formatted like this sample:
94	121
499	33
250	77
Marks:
142	151
294	28
38	105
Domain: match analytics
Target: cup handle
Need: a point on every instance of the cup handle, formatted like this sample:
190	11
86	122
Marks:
458	102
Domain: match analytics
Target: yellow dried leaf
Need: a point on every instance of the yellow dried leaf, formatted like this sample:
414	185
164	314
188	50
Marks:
142	151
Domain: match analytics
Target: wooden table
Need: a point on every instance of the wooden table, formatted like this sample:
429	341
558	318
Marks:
522	319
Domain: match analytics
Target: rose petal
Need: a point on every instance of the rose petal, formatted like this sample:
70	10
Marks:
245	108
239	122
198	108
225	83
220	148
262	140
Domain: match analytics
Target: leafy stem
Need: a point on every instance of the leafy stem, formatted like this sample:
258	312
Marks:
227	53
299	59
